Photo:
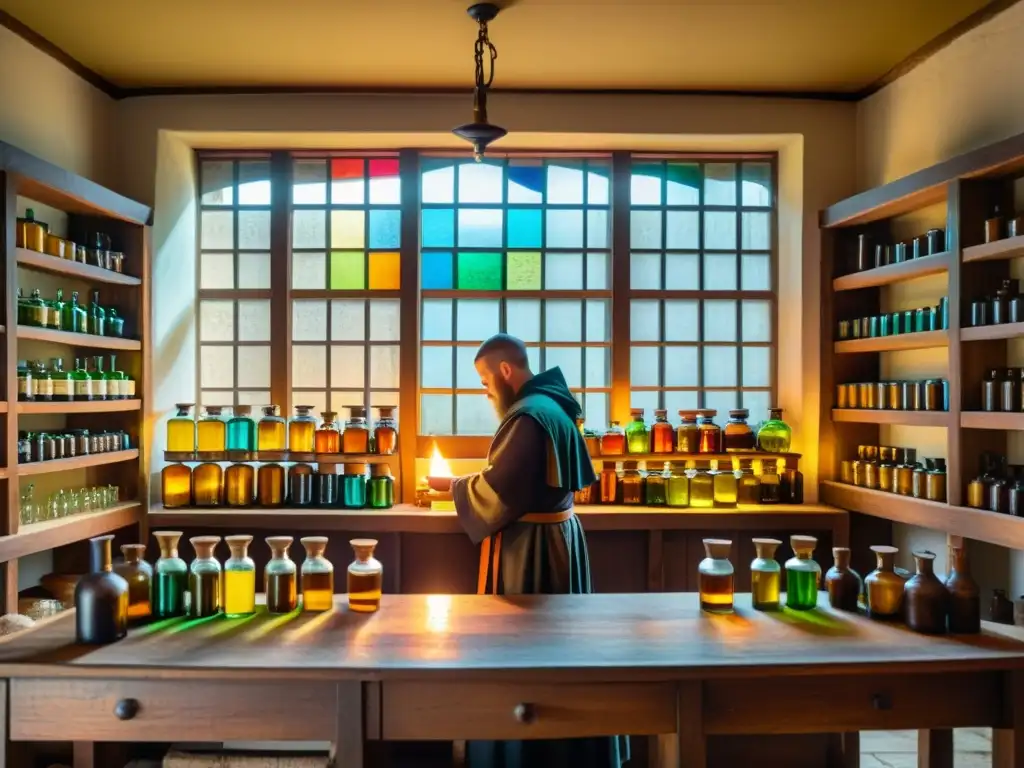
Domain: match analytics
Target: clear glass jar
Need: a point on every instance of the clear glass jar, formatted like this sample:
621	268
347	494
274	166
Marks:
365	578
213	433
715	577
327	438
301	430
677	486
656	487
710	433
239	578
356	437
176	486
638	437
803	574
300	485
613	442
385	431
170	577
725	484
737	435
663	436
139	575
239	485
241	431
271	434
279	577
207	485
775	435
317	575
632	483
204	578
181	430
702	487
765	575
687	433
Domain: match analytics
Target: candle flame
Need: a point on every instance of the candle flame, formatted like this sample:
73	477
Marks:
438	466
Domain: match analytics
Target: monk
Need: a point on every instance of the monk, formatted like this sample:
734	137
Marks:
519	509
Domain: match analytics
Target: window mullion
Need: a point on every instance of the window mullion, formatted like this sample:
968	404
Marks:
280	281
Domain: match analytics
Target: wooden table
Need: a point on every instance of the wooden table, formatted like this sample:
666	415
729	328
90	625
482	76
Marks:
439	667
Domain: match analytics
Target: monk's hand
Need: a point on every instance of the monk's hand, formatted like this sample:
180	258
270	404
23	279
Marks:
440	484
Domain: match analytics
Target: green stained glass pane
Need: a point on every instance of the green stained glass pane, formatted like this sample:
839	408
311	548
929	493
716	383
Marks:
348	271
523	270
524	228
479	271
683	186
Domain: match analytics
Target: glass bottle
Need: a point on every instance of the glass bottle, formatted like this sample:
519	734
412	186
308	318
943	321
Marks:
935	482
725	484
715	577
56	315
115	324
884	586
97	316
702	487
207	485
356	437
381	487
241	432
353	486
270	485
270	432
925	600
748	489
139	575
765	575
170	577
42	382
638	438
327	438
205	587
365	579
737	435
111	379
710	433
1000	609
99	384
75	319
613	442
385	431
239	485
101	598
964	595
301	429
176	486
655	490
677	486
775	435
802	574
125	385
26	388
317	575
36	310
181	430
843	584
82	381
239	578
663	437
791	486
325	486
609	481
687	433
300	485
632	484
212	433
279	579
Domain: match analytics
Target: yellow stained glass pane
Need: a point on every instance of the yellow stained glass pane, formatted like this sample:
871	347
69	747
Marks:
348	229
523	271
384	271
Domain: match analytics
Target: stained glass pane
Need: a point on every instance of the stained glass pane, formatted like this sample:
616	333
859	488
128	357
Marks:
526	181
682	320
347	185
720	367
682	230
253	270
563	320
596	363
644	323
309	229
756	232
523	271
524	228
254	366
597	271
720	272
438	179
757	320
384	366
683	183
756	366
466	376
436	271
438	225
254	320
756	272
385	271
348	271
385	228
216	367
385	183
682	271
309	320
570	360
597	321
597	229
720	230
254	230
479	271
474	415
254	182
437	319
645	271
216	270
309	365
216	320
598	183
643	366
645	229
348	229
719	320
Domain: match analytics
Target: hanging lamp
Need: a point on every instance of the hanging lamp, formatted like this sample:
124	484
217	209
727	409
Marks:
481	133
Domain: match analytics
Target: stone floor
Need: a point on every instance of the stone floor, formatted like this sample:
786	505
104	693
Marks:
898	749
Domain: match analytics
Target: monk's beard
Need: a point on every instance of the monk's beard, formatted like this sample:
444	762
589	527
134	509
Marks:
503	398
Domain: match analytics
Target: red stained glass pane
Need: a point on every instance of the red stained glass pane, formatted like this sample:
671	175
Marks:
383	167
347	168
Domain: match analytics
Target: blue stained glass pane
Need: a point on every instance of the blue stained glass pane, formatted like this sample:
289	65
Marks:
385	228
529	176
524	228
438	227
436	271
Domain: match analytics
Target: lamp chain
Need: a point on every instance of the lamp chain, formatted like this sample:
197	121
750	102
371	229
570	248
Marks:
483	42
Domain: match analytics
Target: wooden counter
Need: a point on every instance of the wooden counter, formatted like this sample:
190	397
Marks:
443	667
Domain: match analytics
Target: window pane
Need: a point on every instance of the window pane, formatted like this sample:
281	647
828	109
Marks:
309	320
644	323
681	366
719	320
756	366
477	319
348	320
217	321
436	414
348	366
254	366
436	367
216	271
474	415
720	184
217	230
437	319
522	318
645	271
563	320
720	367
720	272
682	271
757	321
309	365
644	366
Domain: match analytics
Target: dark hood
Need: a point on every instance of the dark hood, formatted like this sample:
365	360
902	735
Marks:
552	384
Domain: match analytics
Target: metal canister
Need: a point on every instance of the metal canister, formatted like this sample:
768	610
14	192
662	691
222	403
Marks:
999	308
1015	226
893	395
846	471
844	329
58	447
871	452
1015	497
993	229
936	241
869	326
866	395
997	497
841	399
863	253
880	255
990	391
1014	313
49	447
924	319
95	444
932	395
918	247
83	443
919	484
1009	390
908	321
24	450
885	325
945	393
899	253
942	311
858	472
69	444
115	441
917	395
881	400
871	475
886	477
896	323
855	329
852	396
979	313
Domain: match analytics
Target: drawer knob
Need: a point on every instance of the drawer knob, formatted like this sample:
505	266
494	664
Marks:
126	709
881	702
524	713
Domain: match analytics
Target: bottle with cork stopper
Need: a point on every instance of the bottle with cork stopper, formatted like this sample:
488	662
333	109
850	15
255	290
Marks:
765	575
802	574
317	575
279	577
239	578
715	577
139	575
365	577
170	577
205	585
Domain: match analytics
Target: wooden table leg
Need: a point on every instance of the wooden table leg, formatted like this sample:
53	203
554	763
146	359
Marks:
935	748
84	754
687	747
347	746
1008	743
844	750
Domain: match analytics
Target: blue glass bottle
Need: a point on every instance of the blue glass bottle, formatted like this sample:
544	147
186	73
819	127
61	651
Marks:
353	487
241	434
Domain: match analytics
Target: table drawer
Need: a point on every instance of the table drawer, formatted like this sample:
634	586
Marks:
423	710
139	710
852	703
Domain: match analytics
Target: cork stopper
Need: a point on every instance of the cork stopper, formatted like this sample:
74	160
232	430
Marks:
885	556
357	411
279	545
239	545
184	406
355	468
803	546
242	410
707	413
328	415
380	470
315	545
661	413
204	545
739	413
168	542
842	557
133	553
637	414
214	410
304	410
765	548
688	415
363	548
718	549
924	560
386	411
270	410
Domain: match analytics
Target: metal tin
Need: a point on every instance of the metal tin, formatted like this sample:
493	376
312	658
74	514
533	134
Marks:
880	255
918	247
58	447
943	313
885	325
997	497
1009	390
990	392
945	394
976	493
846	472
871	452
881	401
83	444
918	486
69	445
871	475
935	482
94	444
115	441
998	308
1014	313
893	396
49	447
852	395
841	399
886	477
908	321
896	323
858	472
979	313
899	253
924	319
932	395
866	395
855	329
871	323
844	329
916	395
863	253
936	241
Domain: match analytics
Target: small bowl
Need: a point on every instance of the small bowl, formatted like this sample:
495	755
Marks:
440	484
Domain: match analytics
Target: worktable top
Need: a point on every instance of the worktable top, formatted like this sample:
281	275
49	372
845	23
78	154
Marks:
550	637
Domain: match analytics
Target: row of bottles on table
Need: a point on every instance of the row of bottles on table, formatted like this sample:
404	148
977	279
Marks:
1003	390
112	596
923	601
68	443
241	485
870	254
66	502
90	380
895	470
998	487
59	315
896	323
301	434
926	395
36	236
696	433
1006	305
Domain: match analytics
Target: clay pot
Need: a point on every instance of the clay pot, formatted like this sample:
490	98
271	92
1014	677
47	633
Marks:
925	600
884	586
844	584
964	595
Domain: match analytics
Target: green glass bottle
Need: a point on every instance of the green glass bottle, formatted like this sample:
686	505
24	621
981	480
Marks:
381	487
56	314
775	434
26	390
97	316
94	367
655	487
75	319
63	386
37	311
637	434
170	577
42	382
205	579
803	575
82	381
117	384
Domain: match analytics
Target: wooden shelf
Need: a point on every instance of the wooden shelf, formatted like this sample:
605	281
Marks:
286	456
85	340
39	537
992	420
935	264
908	418
3	406
992	332
48	263
77	462
86	406
1007	248
922	340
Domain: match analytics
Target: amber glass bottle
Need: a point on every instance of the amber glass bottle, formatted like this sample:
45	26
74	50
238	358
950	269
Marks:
609	479
327	438
176	486
279	578
715	577
207	485
301	430
317	575
613	442
270	432
737	435
365	578
139	575
181	430
270	485
385	431
356	437
749	484
632	480
239	485
213	433
710	433
687	433
663	436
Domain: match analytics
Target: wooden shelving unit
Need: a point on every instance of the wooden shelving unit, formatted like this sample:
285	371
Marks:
90	208
1000	420
992	332
935	264
923	340
1007	248
908	418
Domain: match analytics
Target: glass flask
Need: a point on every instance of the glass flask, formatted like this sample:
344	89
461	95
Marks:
205	588
207	485
884	587
82	381
75	318
737	435
365	578
301	429
270	485
715	577
632	484
279	578
139	575
353	486
326	483
317	575
176	486
724	483
170	577
327	438
385	431
771	482
300	485
271	433
656	487
775	435
802	574
613	442
702	487
239	578
356	437
213	433
239	485
638	438
765	575
687	433
677	486
241	434
843	584
709	432
181	430
609	482
381	487
749	484
663	436
101	598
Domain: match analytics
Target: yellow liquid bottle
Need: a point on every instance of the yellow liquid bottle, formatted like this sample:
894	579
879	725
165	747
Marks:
239	578
239	485
212	432
176	486
271	431
181	430
365	578
301	429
